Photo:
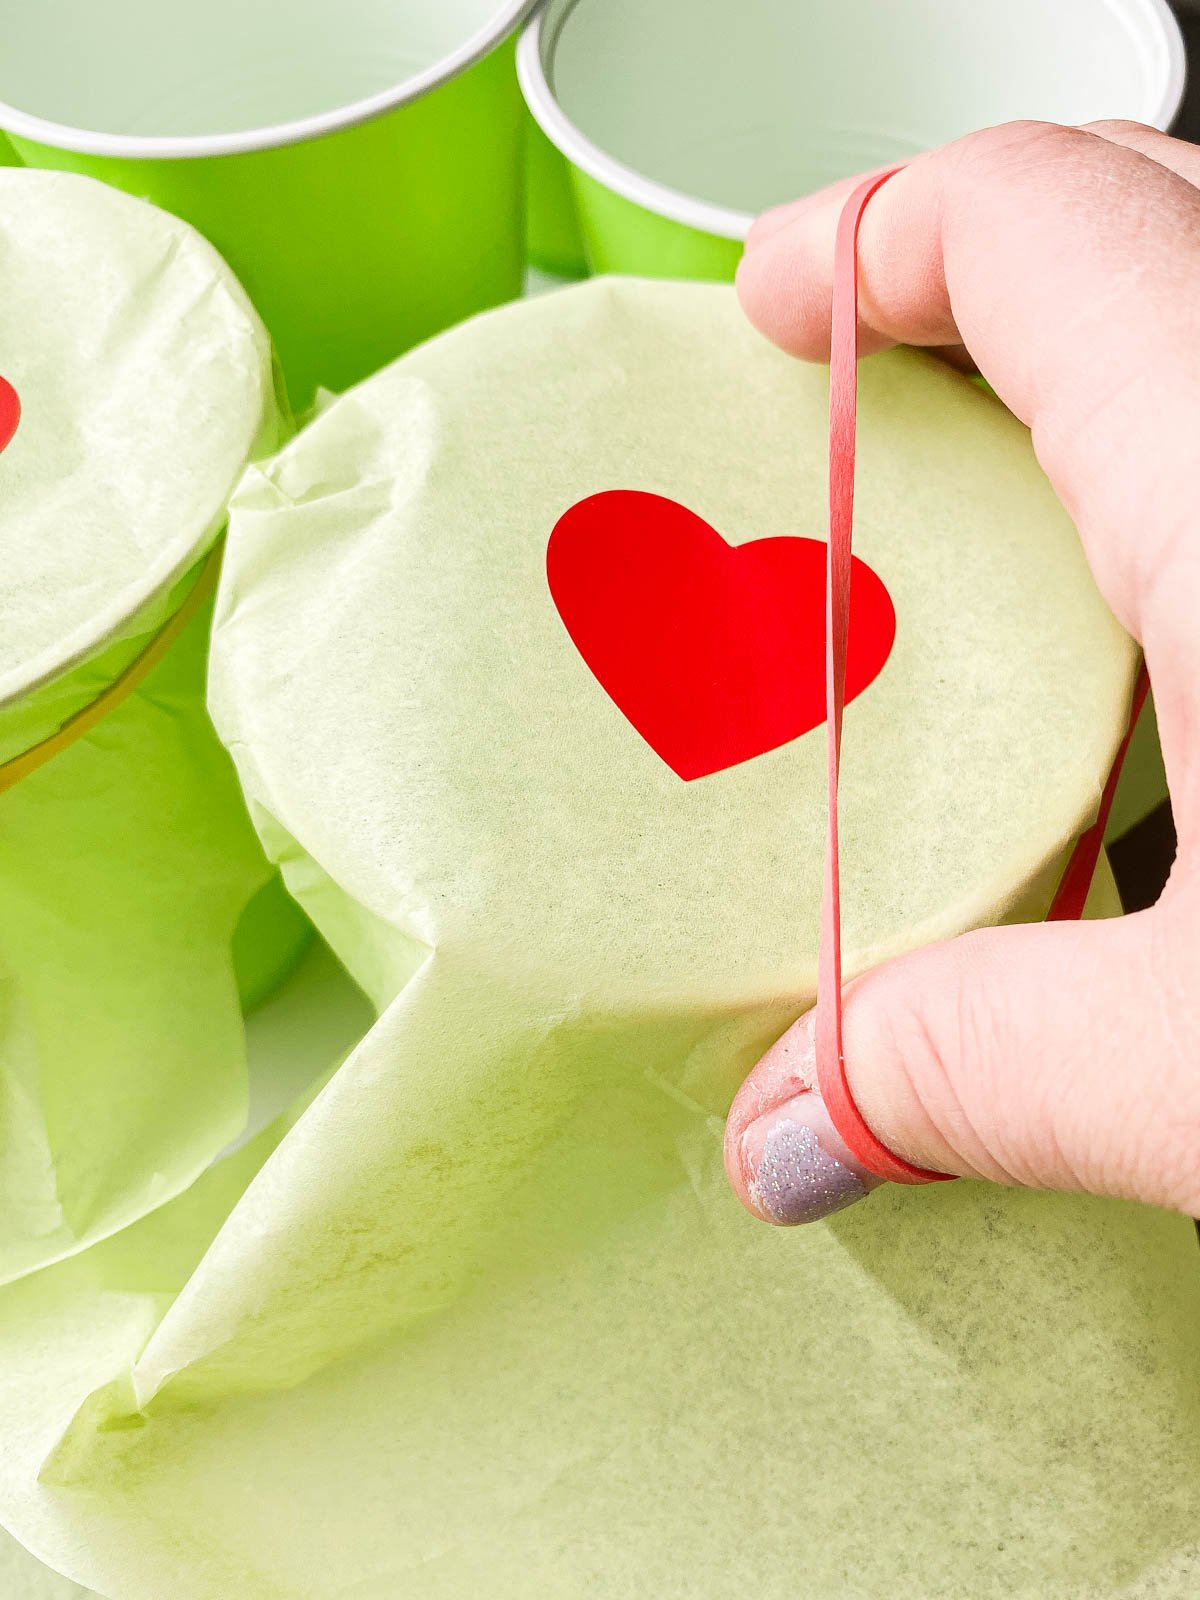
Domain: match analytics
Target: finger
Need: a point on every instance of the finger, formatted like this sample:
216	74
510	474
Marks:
818	284
1066	263
1014	1054
1176	155
770	222
957	356
785	278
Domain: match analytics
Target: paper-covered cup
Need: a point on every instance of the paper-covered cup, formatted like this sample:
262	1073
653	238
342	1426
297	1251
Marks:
358	165
678	131
518	651
136	382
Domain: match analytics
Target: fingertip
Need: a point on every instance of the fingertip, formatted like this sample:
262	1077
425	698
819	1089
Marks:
797	1166
783	295
785	1160
785	1070
824	203
784	280
769	223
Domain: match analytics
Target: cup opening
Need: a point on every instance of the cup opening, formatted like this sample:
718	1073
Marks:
154	78
711	119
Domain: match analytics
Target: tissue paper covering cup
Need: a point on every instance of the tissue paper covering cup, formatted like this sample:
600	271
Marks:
135	384
518	652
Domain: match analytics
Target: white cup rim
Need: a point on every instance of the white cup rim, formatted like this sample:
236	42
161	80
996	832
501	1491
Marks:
135	147
678	206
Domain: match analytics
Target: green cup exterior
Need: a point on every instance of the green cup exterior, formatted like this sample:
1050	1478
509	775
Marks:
621	236
713	123
553	242
360	244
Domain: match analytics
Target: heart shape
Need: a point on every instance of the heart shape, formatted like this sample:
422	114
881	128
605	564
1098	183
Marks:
714	652
10	412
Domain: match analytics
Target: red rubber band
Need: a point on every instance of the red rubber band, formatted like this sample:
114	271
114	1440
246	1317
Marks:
1077	879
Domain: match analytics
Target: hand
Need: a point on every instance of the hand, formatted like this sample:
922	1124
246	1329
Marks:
1065	264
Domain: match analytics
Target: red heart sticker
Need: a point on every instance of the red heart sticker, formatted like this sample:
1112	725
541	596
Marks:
714	652
10	412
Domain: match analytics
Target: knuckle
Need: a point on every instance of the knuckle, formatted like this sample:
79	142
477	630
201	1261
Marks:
1119	129
1015	145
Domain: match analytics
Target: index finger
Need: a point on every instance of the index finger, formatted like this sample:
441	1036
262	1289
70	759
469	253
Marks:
1069	266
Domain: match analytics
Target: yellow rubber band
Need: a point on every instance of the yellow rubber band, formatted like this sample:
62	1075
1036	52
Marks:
138	670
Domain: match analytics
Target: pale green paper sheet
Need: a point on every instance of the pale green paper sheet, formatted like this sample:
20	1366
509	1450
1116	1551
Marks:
24	1577
487	1319
316	1492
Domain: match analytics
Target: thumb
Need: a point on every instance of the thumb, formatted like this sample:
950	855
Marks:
1064	1056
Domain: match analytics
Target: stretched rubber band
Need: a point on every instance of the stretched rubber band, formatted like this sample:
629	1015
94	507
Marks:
1076	881
139	669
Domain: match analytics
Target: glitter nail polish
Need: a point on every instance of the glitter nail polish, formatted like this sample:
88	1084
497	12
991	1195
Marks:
798	1169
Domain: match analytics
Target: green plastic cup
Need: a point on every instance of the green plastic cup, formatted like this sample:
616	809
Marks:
553	240
359	165
678	129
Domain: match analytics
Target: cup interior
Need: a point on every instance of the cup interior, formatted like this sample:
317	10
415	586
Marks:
745	103
187	68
